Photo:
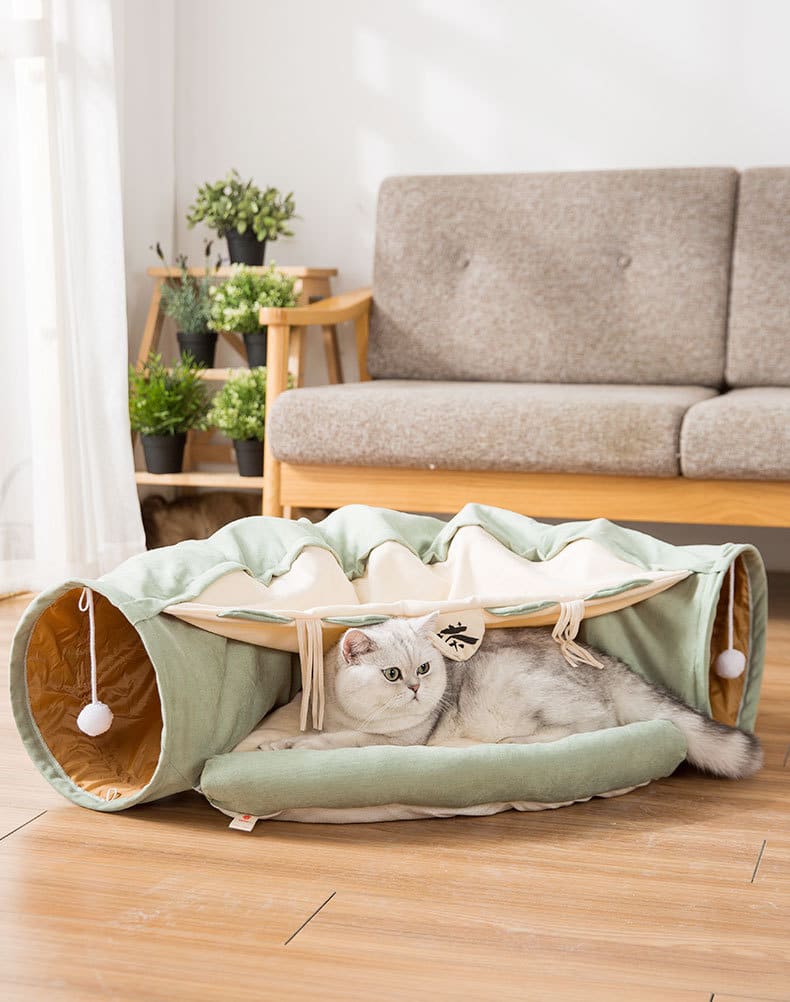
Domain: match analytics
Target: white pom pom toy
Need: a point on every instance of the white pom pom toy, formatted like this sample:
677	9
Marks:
730	663
95	718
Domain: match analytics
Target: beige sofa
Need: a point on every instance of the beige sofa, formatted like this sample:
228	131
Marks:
611	343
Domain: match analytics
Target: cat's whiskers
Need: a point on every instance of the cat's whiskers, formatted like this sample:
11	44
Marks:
378	711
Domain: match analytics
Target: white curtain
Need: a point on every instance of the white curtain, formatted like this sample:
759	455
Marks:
68	501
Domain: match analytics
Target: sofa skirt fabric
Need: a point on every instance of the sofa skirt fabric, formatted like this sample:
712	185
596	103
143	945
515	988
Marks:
183	697
524	427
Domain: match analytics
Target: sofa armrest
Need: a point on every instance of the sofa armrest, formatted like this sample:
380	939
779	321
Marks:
332	310
279	321
324	313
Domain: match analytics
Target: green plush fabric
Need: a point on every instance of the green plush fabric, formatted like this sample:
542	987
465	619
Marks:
213	690
575	768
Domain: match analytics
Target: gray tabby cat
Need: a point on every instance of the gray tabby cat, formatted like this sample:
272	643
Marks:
388	684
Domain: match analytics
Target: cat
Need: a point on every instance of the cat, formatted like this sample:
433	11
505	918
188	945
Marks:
389	684
200	515
195	516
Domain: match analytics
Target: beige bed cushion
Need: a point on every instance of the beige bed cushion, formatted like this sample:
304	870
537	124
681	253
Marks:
586	277
758	350
744	434
485	426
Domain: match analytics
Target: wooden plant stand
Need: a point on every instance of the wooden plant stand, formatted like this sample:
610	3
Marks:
315	284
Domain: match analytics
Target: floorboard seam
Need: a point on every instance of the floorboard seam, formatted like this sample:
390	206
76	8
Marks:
787	756
310	918
759	858
23	825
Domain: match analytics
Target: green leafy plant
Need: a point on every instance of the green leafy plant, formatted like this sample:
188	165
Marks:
233	204
239	408
236	303
166	401
187	300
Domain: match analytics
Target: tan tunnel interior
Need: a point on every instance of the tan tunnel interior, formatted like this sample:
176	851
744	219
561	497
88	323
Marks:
726	693
122	761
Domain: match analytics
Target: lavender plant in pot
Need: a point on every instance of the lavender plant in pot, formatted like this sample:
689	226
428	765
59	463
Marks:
246	215
237	302
186	299
164	404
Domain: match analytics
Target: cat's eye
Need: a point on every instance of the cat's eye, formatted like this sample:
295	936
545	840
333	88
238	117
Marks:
424	668
391	674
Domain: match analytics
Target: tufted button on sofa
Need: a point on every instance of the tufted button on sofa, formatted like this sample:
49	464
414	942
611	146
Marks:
610	343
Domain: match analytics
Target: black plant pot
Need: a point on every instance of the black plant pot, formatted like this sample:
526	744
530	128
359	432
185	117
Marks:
201	347
256	348
249	456
245	248
164	453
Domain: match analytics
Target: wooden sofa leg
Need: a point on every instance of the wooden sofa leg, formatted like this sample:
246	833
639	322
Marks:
276	382
271	486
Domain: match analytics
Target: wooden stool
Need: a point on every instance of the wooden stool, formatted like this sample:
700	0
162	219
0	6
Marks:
314	284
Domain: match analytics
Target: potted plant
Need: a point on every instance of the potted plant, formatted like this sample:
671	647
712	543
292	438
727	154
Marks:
163	405
238	411
246	215
236	303
187	301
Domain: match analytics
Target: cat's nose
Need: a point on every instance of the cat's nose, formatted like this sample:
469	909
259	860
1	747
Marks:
414	687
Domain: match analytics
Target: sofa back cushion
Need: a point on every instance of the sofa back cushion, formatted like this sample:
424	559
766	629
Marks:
758	349
606	276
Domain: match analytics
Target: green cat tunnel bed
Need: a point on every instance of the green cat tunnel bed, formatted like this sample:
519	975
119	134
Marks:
193	644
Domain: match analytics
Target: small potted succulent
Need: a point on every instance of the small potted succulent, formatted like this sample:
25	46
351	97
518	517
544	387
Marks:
164	404
238	411
186	300
246	215
236	303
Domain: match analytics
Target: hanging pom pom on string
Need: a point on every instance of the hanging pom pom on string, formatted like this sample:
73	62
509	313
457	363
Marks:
95	718
730	663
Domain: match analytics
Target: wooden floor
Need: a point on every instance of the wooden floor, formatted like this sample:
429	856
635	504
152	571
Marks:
678	891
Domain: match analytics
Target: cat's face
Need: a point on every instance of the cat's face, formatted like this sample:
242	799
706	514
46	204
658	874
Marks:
390	677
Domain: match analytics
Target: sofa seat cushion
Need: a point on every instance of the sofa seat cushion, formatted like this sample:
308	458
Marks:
535	427
744	434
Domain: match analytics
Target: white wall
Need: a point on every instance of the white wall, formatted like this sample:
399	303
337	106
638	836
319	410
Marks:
145	72
328	98
348	92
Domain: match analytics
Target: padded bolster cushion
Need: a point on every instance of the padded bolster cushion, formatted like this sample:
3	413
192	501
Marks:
743	434
589	277
626	430
757	352
574	768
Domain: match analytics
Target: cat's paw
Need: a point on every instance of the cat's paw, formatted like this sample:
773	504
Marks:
281	745
304	742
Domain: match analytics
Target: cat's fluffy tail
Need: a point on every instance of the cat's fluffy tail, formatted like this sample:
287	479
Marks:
712	747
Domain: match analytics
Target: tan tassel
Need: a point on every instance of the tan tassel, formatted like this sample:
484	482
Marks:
310	638
564	633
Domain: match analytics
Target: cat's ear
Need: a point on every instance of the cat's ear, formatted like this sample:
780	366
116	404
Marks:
354	644
425	626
